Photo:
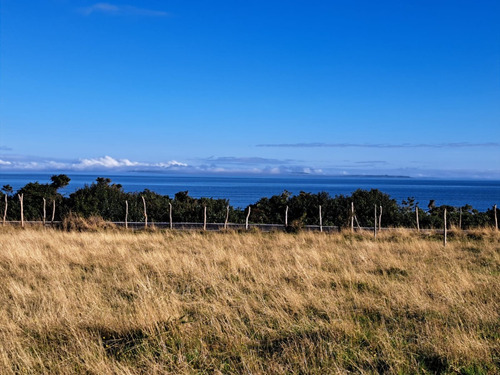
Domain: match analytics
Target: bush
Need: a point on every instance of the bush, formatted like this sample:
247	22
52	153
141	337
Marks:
74	222
295	227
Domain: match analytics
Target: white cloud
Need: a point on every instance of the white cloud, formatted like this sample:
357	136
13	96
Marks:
274	171
121	10
172	163
249	169
247	160
101	7
104	162
110	164
107	162
89	164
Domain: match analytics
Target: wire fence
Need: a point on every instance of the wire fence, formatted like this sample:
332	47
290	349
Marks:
141	225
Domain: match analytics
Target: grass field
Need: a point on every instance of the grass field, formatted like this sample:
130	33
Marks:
117	302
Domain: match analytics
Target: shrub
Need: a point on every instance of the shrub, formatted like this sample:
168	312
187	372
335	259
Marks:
73	222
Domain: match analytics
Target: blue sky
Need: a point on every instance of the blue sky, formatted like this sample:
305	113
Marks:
267	87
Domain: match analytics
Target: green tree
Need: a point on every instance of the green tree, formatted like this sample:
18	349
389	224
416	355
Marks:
7	192
34	194
101	198
59	181
364	205
270	210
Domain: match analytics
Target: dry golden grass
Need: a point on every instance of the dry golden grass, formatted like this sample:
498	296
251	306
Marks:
120	302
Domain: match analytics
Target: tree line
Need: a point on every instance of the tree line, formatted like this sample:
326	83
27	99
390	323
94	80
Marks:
109	201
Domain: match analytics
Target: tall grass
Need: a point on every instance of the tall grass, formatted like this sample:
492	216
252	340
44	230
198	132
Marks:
113	302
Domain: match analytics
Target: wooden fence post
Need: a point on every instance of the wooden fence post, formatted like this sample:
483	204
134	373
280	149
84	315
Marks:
170	214
445	229
286	217
21	196
44	211
352	216
380	219
320	220
416	217
53	212
496	219
5	210
145	212
375	223
126	214
460	220
227	217
357	222
204	217
248	215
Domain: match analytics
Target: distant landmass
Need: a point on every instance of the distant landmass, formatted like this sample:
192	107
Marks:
375	176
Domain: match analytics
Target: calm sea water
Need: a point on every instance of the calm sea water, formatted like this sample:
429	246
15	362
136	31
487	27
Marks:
242	191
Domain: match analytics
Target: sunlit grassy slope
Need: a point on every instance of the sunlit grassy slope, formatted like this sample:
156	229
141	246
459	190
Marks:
256	303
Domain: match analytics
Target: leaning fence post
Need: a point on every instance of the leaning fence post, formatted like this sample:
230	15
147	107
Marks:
145	212
21	196
204	217
126	214
227	217
53	212
380	219
320	220
170	214
375	223
248	215
5	210
416	217
357	222
44	211
286	217
445	228
496	219
352	216
460	220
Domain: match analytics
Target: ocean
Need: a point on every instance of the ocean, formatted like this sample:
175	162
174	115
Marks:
242	191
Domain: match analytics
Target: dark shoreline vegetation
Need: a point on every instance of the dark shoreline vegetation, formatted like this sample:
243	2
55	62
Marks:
106	200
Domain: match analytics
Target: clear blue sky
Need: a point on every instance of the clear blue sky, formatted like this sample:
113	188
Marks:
328	87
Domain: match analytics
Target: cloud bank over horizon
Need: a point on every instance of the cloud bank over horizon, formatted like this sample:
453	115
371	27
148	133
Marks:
221	165
230	165
20	163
